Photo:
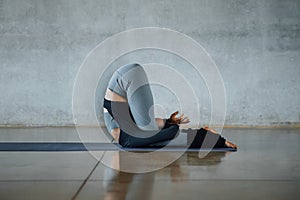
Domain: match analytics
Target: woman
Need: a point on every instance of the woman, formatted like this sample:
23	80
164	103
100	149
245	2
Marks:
129	115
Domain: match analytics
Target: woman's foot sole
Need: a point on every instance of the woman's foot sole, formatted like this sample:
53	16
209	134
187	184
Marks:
229	144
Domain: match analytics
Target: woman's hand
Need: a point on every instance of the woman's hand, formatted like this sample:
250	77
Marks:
178	120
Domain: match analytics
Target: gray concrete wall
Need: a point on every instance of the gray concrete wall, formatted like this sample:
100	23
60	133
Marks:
255	44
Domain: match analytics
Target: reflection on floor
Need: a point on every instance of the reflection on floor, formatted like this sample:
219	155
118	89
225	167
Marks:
266	166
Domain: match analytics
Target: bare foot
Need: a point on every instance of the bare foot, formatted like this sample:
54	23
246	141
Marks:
229	144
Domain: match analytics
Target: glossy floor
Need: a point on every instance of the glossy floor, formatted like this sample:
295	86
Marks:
266	166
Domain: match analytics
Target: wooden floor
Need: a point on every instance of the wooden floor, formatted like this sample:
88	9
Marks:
266	166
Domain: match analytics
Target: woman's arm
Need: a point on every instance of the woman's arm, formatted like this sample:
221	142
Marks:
160	122
172	120
115	133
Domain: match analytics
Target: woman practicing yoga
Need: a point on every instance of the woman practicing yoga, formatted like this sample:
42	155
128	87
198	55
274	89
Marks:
129	115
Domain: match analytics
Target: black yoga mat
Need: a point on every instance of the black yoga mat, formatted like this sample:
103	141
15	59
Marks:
70	146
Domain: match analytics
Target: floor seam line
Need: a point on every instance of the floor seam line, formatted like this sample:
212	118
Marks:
87	178
85	181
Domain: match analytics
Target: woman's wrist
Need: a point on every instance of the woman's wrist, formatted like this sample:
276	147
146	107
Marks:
168	123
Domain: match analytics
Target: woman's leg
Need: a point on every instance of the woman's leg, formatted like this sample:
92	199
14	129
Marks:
131	135
163	137
212	140
227	143
111	125
133	81
137	122
203	138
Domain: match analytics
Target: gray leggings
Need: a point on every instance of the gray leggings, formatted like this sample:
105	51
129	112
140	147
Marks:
136	118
